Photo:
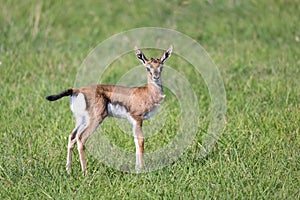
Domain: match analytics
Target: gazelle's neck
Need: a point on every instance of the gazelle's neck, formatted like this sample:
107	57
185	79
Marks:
157	84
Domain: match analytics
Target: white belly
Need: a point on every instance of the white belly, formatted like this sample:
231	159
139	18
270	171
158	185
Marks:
118	111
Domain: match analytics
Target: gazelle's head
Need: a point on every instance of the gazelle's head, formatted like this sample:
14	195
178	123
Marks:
154	66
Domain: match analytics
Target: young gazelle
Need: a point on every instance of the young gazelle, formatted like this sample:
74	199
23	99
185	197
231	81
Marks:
91	104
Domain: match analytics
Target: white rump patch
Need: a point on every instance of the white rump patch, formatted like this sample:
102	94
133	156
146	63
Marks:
78	104
78	107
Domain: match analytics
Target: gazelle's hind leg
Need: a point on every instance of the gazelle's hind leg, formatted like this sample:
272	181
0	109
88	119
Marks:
80	126
97	115
81	139
78	107
87	120
71	144
76	137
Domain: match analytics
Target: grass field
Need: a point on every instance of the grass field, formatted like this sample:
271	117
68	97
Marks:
255	45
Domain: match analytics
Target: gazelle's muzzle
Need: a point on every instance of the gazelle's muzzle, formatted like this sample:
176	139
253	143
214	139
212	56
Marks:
155	75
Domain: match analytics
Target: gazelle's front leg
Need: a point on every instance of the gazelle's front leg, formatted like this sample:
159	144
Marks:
139	144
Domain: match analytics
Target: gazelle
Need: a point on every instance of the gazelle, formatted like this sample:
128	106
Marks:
92	104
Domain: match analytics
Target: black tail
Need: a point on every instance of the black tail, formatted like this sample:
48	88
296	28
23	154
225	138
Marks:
60	95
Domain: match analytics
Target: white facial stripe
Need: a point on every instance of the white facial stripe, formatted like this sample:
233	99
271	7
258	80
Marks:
152	71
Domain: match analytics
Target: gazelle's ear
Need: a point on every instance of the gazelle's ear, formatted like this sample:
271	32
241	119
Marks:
166	55
140	55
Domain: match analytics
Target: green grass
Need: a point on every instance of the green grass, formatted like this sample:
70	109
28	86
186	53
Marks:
255	44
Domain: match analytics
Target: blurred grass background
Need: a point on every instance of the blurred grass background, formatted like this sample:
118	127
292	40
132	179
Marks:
255	44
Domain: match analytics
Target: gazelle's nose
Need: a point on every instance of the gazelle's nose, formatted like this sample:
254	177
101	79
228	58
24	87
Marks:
155	76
